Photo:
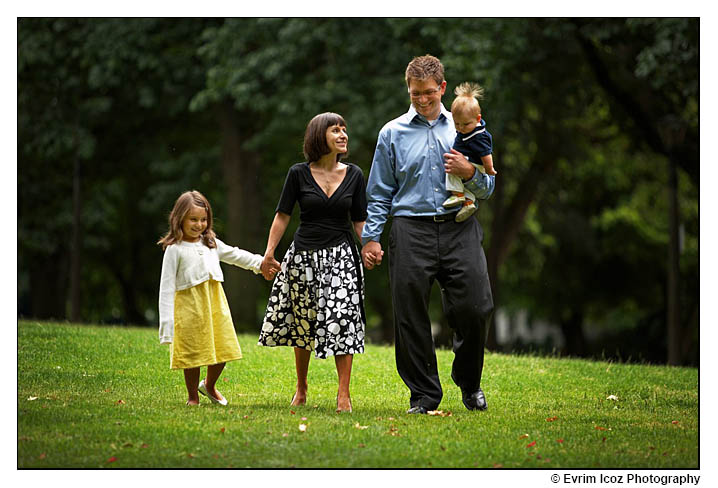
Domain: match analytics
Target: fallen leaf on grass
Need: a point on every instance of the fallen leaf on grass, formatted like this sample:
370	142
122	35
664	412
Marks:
302	427
598	427
361	427
361	445
394	431
674	422
190	455
127	444
604	440
612	397
31	399
440	413
222	430
112	459
551	419
524	436
144	446
42	456
285	435
531	444
560	441
292	412
497	465
120	402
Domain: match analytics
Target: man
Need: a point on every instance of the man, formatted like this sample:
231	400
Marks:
407	182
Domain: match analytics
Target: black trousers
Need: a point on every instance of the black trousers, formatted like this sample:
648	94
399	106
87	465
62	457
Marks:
451	253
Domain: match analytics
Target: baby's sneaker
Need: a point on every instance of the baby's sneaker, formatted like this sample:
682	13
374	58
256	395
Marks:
453	201
465	212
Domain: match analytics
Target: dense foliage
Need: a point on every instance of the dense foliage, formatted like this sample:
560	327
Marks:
117	116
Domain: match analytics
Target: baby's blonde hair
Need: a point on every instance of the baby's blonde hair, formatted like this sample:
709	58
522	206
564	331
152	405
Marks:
467	99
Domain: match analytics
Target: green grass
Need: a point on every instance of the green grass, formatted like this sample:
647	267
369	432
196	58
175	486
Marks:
104	397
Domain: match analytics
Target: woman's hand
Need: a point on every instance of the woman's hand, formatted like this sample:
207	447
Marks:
269	267
372	254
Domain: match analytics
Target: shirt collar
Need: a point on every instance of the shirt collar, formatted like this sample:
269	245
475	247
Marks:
412	114
481	127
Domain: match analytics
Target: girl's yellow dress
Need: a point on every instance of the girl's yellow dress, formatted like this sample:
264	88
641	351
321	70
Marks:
203	329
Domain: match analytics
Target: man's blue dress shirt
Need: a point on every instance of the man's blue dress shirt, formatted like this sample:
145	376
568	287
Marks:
407	177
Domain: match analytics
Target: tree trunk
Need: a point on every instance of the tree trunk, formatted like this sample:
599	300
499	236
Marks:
76	247
673	315
509	219
572	330
48	282
243	227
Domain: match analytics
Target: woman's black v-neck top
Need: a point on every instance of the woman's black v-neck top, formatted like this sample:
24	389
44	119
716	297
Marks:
324	221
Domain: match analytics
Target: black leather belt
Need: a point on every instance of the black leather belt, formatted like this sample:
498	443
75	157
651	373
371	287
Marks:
439	219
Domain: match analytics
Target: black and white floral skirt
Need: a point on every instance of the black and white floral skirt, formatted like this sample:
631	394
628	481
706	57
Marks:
316	303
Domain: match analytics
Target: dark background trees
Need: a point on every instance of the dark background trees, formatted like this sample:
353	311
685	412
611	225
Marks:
593	226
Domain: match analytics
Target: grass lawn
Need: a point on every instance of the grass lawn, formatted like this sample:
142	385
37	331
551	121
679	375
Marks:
104	397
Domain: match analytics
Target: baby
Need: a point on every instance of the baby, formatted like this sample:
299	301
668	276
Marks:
473	141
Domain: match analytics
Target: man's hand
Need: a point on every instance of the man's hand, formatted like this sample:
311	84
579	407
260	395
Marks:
371	254
456	164
269	267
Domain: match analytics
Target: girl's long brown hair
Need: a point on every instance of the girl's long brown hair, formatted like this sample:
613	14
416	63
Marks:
183	205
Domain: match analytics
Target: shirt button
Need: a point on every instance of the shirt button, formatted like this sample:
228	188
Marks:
432	147
436	189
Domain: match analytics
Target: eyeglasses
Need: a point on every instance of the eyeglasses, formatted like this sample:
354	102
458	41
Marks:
427	93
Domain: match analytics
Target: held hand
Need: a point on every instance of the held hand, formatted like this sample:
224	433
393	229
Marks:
457	164
269	267
371	254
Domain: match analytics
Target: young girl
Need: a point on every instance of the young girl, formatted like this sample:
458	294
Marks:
194	316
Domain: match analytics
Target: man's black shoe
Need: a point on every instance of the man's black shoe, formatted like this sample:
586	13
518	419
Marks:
474	400
417	409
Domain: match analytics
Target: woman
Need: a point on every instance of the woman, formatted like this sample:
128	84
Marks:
316	301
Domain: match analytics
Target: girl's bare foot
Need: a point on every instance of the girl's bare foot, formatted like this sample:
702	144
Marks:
215	393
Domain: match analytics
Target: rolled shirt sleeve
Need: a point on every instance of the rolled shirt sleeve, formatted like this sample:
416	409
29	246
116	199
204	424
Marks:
481	184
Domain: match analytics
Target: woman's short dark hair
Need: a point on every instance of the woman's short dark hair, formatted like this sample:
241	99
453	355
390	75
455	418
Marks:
315	137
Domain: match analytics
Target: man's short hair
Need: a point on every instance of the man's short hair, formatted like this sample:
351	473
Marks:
424	67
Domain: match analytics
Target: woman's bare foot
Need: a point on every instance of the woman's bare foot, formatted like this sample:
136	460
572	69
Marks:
299	398
344	404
